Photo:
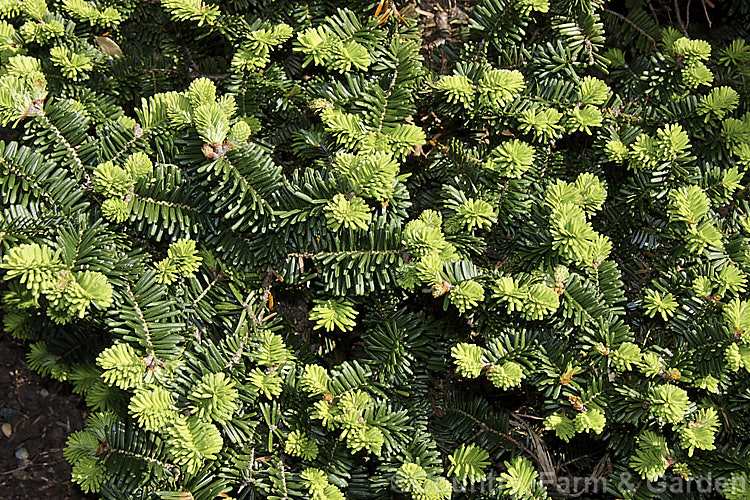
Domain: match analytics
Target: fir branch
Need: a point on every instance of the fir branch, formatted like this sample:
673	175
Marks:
165	203
485	428
342	253
632	24
68	147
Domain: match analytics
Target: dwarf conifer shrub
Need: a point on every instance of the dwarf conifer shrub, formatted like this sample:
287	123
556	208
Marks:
290	250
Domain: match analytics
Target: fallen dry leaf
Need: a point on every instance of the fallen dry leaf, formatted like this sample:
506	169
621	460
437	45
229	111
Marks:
108	46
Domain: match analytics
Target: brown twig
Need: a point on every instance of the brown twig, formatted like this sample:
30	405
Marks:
541	454
705	10
679	18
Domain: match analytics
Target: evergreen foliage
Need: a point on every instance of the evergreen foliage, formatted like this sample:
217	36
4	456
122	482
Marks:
288	250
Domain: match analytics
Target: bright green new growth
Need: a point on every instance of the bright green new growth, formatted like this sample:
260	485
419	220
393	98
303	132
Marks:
214	397
466	295
520	477
669	403
651	457
468	359
154	408
700	432
511	158
122	366
658	303
182	260
563	426
318	487
72	65
333	314
467	463
506	375
347	213
477	214
412	478
34	266
193	441
69	294
301	446
323	47
112	181
590	421
306	250
532	301
689	204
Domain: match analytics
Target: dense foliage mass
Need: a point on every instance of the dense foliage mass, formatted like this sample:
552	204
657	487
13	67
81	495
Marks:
307	249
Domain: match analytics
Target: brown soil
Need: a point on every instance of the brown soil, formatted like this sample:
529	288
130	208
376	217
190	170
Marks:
41	413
